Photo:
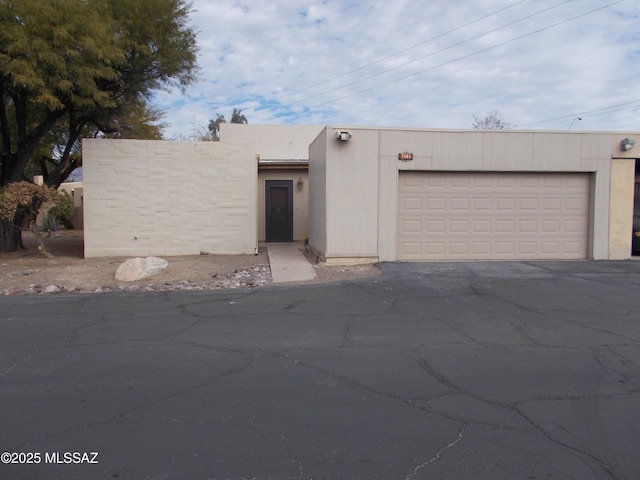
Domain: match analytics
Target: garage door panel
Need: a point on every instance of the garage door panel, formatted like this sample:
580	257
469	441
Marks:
434	248
482	204
412	203
505	248
551	181
412	226
505	226
492	215
436	226
481	226
552	204
436	203
575	203
507	181
480	182
529	203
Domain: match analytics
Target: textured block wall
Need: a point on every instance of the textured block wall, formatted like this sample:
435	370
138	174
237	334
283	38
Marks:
165	198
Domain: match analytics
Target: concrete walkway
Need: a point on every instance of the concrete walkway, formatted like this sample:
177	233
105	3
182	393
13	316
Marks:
288	264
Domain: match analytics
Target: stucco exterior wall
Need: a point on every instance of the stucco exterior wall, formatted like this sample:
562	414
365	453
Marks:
318	193
300	201
168	198
621	209
352	197
272	142
360	179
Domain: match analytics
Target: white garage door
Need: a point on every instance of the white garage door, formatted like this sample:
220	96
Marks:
464	216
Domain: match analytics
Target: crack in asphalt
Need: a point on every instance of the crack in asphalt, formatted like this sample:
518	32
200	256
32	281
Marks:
139	405
438	455
514	407
517	319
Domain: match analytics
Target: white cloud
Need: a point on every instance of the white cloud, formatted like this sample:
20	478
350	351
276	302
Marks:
408	63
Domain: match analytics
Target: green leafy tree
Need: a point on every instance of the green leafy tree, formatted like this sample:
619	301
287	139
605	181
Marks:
214	125
491	121
74	68
138	121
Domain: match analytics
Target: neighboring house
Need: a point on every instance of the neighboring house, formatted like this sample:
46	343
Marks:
364	194
74	190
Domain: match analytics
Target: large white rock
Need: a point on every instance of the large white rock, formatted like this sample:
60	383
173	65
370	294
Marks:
140	268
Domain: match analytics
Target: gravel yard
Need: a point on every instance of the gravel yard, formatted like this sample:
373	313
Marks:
29	272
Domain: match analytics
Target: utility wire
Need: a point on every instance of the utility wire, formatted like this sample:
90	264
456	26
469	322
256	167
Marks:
435	53
468	55
589	113
415	60
399	52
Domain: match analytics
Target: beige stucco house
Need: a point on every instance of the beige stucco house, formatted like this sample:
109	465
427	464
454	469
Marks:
364	194
407	194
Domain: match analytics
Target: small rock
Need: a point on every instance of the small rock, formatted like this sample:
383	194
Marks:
52	289
5	264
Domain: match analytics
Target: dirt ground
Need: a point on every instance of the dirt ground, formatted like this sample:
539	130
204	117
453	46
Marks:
29	272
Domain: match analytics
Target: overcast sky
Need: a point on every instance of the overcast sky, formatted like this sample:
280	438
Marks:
414	63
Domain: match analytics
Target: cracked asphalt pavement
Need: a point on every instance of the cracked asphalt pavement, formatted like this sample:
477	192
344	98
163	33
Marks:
505	370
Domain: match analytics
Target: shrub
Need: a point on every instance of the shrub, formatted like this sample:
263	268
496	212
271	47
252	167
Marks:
60	214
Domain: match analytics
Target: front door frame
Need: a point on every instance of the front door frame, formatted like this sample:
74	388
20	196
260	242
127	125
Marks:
281	229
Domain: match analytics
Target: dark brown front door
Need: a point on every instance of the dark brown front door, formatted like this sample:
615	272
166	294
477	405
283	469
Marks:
279	210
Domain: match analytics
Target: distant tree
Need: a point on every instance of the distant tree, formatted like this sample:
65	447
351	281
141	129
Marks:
491	121
214	125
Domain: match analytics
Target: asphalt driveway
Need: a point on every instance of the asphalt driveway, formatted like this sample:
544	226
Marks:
509	370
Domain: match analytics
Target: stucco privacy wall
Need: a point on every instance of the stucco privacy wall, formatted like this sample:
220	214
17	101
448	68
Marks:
168	198
359	178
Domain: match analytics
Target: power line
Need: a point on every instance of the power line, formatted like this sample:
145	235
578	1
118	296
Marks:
436	52
391	56
589	113
399	52
468	55
455	59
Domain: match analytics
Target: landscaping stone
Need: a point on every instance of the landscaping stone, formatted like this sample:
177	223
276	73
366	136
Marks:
250	277
140	268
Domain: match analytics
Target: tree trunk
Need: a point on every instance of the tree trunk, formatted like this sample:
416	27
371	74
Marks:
10	236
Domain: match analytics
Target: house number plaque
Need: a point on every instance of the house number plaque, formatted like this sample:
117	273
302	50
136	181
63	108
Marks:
405	156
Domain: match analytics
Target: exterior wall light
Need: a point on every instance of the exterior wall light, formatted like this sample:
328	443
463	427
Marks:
300	183
627	144
343	136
